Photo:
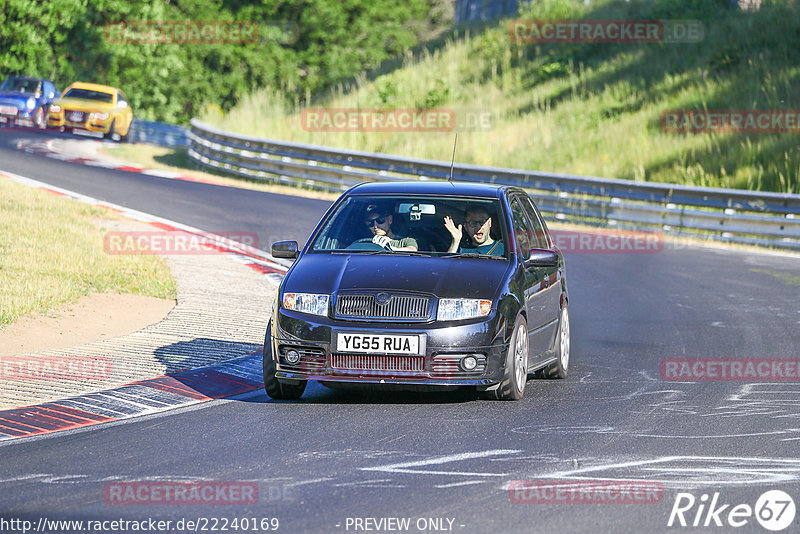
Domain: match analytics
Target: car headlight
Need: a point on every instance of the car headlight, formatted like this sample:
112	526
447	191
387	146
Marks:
100	116
55	108
31	103
454	309
312	303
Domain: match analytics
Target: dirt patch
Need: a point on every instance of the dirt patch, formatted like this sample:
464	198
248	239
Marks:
92	318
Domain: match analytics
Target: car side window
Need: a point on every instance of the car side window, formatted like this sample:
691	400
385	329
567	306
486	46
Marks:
539	236
522	228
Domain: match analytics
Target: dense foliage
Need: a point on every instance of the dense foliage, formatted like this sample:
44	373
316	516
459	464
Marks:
303	46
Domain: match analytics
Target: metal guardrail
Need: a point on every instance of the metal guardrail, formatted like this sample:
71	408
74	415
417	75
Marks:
733	215
158	133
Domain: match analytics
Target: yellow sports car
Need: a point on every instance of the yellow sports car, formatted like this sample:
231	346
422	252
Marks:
92	107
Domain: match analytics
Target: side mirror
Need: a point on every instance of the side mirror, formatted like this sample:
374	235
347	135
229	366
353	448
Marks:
285	249
122	104
542	258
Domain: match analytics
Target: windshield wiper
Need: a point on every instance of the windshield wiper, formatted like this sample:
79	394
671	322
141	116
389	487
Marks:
472	255
407	252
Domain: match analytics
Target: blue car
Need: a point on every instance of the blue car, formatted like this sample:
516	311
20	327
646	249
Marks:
25	100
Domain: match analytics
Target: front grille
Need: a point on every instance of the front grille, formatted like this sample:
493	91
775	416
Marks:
366	306
365	362
448	365
75	116
311	359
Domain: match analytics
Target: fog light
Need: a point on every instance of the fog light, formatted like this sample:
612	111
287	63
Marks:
469	363
292	356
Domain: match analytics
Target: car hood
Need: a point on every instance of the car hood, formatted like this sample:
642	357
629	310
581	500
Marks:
443	277
84	105
18	99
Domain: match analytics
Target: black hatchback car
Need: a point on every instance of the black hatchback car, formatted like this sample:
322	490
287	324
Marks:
421	283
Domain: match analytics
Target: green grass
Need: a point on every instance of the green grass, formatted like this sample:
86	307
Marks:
51	253
590	109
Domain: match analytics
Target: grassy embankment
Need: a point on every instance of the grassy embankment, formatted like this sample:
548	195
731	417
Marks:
591	109
51	253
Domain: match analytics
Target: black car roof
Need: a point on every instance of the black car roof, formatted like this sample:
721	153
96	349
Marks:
472	189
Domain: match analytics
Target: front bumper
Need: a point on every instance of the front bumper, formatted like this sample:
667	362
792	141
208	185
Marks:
445	344
89	122
11	113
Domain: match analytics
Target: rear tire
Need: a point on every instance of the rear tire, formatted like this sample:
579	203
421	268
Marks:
515	374
559	368
275	388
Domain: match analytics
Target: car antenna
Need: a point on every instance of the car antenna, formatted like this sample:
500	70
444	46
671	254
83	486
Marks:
453	161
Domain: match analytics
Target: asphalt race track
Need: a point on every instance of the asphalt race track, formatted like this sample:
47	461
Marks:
340	461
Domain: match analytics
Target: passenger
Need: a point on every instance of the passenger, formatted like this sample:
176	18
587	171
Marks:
478	226
379	221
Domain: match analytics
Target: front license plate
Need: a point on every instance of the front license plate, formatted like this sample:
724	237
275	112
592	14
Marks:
379	343
8	110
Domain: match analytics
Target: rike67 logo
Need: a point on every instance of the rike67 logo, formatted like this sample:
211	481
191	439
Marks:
774	510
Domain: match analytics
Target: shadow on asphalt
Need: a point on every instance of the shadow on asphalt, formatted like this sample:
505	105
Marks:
316	393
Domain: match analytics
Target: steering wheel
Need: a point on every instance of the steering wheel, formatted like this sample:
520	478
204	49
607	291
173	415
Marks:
358	244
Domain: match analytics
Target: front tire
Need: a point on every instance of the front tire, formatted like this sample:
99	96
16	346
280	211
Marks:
112	134
275	388
40	118
515	375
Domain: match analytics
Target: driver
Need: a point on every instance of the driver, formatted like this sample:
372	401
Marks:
379	222
478	226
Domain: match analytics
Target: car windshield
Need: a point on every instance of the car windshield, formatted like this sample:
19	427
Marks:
417	225
21	85
88	94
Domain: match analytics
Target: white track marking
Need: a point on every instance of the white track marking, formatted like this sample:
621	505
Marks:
456	484
683	471
406	467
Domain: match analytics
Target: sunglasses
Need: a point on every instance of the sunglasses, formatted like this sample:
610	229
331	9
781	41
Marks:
476	224
376	220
